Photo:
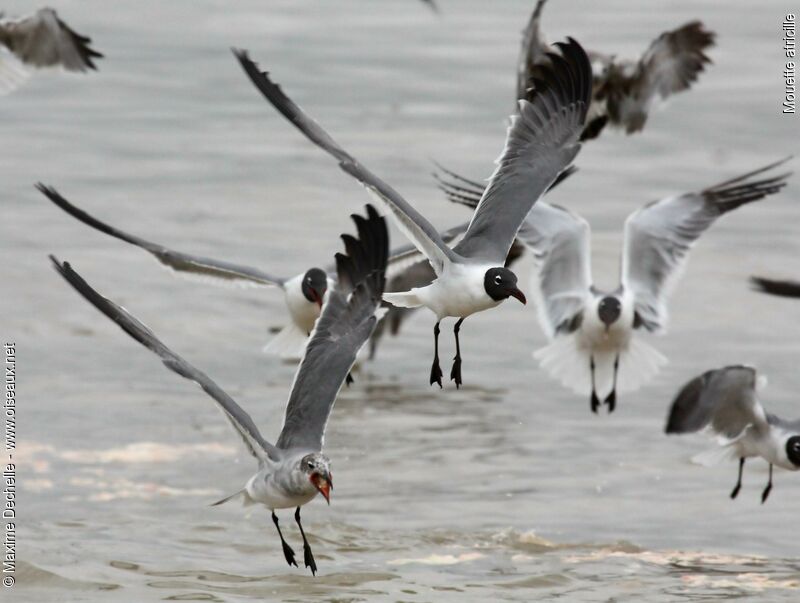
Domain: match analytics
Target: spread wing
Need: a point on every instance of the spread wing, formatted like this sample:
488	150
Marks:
465	191
407	256
239	419
176	260
776	287
658	237
347	320
44	40
419	231
532	51
723	400
542	141
560	243
671	64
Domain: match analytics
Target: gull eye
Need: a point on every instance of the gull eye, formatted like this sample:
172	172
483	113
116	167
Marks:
310	464
498	279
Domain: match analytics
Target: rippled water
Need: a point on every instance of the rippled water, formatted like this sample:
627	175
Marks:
506	490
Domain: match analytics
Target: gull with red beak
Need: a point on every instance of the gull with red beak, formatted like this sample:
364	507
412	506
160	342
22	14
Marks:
541	142
294	470
304	293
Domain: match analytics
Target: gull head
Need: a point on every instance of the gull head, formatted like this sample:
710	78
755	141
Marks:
317	467
609	310
793	450
501	283
315	284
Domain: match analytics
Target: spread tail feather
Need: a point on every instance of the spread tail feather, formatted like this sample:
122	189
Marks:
714	456
405	299
12	71
246	500
289	343
566	360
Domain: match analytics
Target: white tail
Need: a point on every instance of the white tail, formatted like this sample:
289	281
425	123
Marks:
12	72
246	500
714	456
566	360
406	299
289	343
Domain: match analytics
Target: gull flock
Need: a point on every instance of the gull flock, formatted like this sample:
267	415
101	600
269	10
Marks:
566	96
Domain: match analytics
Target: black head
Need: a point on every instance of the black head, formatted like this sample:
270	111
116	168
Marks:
315	284
609	310
501	283
793	450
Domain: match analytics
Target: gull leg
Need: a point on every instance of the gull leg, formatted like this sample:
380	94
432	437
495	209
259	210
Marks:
455	373
595	401
611	399
767	490
436	370
309	558
738	485
287	550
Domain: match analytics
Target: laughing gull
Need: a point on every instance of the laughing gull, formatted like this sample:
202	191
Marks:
40	40
471	277
303	293
421	274
624	90
592	331
292	471
725	403
776	287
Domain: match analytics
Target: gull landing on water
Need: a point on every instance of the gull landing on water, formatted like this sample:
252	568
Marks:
40	40
541	143
725	403
593	347
303	293
292	471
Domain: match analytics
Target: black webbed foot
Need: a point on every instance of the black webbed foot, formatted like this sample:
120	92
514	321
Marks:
738	485
595	402
436	373
288	552
768	489
455	372
309	559
308	556
611	401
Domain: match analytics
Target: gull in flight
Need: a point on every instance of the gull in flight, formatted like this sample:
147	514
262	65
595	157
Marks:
542	141
294	470
303	293
592	347
421	274
40	40
725	403
624	91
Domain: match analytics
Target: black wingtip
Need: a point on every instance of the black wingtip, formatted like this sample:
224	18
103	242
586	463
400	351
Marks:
364	263
781	288
567	72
